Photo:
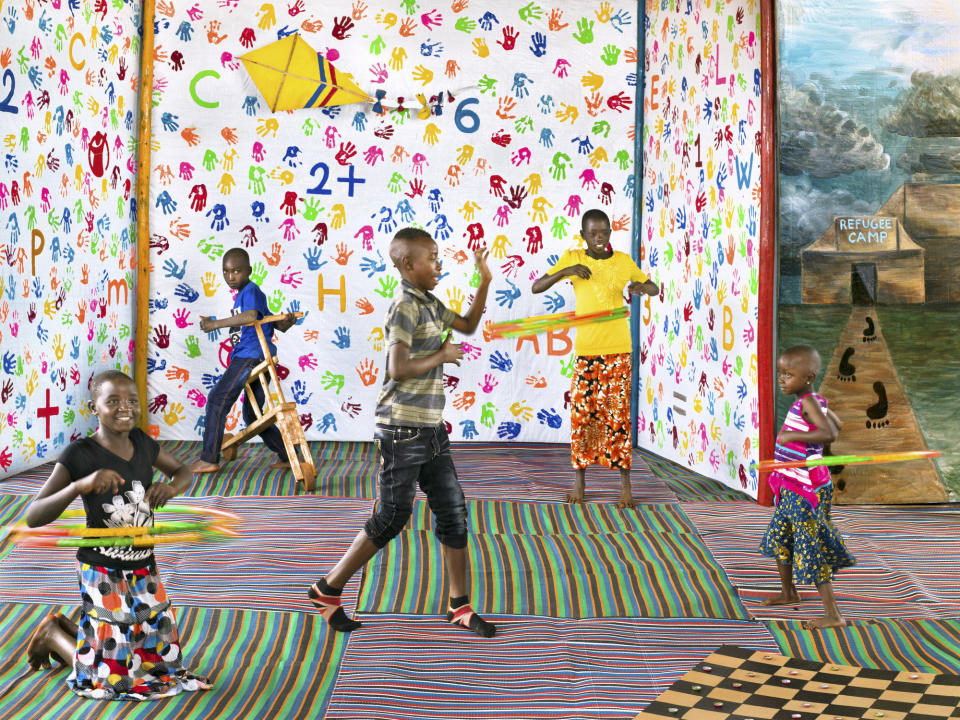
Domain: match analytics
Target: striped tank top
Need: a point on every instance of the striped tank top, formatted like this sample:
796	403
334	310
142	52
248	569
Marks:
803	481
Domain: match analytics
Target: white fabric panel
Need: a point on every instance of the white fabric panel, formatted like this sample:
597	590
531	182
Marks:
521	111
701	209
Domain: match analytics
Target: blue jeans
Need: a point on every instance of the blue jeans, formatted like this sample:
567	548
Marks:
411	456
221	399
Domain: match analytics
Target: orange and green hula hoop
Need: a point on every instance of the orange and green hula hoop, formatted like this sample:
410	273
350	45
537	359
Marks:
771	465
215	525
542	323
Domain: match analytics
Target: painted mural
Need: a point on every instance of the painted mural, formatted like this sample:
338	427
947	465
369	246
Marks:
496	124
68	111
868	246
701	205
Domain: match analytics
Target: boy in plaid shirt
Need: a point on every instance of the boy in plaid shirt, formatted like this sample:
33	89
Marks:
410	433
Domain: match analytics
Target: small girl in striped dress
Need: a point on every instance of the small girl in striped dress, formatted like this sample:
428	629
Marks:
801	537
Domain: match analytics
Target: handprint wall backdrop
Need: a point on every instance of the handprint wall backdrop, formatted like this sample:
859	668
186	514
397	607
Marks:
701	195
67	121
498	125
516	119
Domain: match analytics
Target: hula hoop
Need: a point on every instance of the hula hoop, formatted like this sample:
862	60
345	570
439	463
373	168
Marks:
891	457
88	532
542	323
138	541
216	526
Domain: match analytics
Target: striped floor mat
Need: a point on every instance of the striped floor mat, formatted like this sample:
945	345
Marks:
27	482
923	645
13	507
534	668
531	472
285	544
626	569
687	485
907	561
515	518
263	664
344	469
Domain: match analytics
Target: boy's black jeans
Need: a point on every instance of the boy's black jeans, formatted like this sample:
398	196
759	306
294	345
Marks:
411	456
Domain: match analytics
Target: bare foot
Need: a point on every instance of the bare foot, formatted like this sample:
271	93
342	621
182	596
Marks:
827	621
68	626
783	598
626	499
280	465
201	466
40	647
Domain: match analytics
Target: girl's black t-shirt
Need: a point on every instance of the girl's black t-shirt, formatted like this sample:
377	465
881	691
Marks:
127	507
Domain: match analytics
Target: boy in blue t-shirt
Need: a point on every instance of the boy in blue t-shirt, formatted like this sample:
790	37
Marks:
249	306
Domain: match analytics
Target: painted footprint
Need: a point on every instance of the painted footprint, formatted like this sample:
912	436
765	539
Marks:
878	412
869	332
847	369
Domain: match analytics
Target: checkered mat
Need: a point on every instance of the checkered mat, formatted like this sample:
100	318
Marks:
263	665
534	668
735	682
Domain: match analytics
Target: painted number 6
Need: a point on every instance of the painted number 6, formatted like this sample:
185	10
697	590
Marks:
467	121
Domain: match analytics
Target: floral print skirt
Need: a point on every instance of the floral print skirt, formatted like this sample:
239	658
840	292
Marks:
806	538
600	412
128	647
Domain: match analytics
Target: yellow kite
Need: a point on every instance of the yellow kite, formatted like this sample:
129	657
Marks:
292	75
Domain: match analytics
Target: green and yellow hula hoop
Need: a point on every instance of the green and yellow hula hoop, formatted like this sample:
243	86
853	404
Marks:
215	525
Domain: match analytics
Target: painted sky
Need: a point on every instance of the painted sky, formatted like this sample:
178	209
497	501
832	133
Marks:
865	36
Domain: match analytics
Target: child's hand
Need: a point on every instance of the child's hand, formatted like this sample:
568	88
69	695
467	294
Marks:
580	271
643	288
832	417
451	352
206	324
480	258
158	494
286	323
99	482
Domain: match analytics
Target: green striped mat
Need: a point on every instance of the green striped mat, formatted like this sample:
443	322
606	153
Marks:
263	664
13	507
688	485
12	510
515	518
626	572
920	644
344	469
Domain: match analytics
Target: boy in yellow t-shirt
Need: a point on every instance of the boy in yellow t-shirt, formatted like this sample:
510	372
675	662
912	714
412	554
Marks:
600	393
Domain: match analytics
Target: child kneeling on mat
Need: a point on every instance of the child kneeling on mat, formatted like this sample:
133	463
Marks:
126	645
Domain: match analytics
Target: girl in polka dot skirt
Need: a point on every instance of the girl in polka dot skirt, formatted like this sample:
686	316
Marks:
801	537
125	644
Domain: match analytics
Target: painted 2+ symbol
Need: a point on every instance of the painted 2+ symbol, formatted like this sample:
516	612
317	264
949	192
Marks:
319	189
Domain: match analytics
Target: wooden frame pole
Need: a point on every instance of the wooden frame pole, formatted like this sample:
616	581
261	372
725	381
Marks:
142	327
637	234
767	293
